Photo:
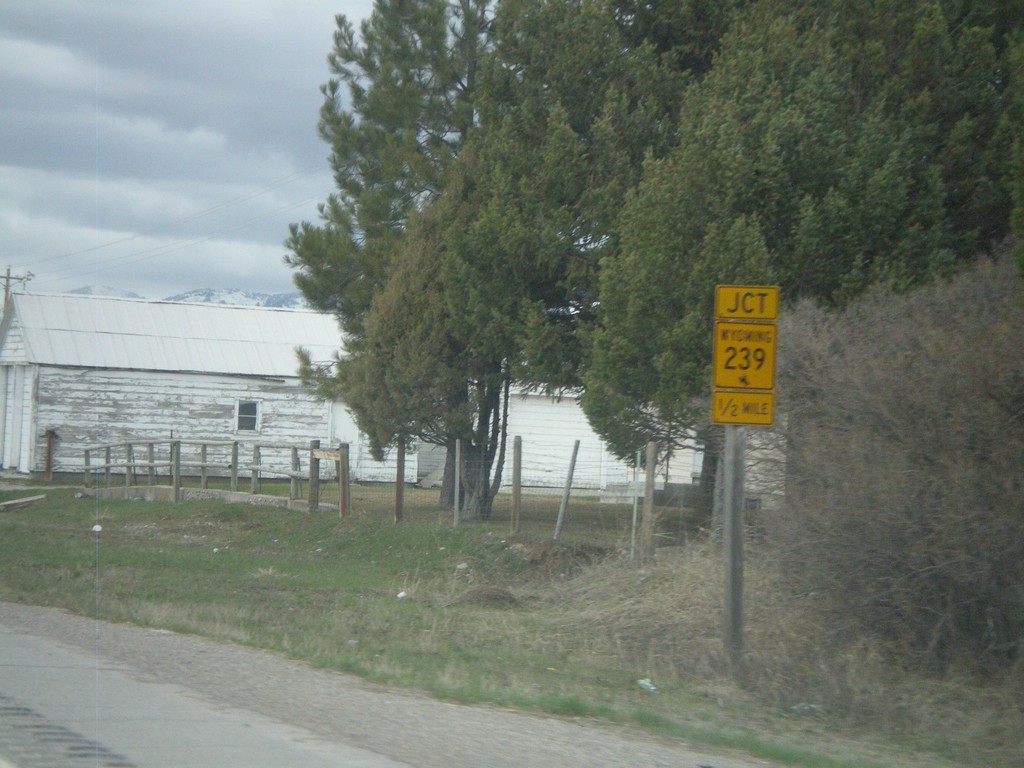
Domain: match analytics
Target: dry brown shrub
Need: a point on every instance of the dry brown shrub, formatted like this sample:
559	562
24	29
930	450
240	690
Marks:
905	489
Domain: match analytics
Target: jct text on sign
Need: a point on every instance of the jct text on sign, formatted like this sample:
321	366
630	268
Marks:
746	302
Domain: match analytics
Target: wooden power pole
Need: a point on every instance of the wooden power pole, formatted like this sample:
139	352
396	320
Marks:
8	279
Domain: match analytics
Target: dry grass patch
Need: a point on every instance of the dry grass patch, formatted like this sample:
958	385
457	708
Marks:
663	622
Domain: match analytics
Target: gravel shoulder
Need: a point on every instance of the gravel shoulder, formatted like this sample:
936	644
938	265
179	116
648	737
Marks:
335	707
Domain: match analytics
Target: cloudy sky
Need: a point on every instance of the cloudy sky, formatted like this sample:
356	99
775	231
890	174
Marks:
157	146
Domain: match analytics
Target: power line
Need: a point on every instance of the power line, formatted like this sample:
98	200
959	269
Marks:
177	245
270	187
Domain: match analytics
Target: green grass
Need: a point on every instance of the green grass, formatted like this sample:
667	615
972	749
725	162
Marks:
326	591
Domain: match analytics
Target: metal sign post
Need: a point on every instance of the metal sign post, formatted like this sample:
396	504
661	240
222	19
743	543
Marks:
732	538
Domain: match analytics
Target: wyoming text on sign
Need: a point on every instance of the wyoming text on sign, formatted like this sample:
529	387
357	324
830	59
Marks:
744	355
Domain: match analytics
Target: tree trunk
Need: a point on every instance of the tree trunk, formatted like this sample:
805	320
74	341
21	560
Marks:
447	498
477	462
478	457
503	436
476	505
706	488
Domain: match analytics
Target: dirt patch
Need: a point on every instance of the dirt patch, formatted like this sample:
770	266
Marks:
550	559
493	597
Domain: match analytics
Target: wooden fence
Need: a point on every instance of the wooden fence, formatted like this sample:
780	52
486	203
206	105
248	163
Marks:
148	461
140	459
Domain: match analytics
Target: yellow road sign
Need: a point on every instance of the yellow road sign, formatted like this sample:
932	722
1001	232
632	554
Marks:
744	355
756	409
747	302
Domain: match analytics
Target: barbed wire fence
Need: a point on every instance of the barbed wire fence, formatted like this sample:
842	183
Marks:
568	494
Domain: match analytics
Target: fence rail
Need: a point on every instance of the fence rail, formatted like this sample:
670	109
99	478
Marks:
101	462
166	455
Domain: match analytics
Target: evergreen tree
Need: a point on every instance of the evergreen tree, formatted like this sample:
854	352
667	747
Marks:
566	112
396	111
851	142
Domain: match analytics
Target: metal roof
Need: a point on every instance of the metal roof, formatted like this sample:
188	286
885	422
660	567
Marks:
133	334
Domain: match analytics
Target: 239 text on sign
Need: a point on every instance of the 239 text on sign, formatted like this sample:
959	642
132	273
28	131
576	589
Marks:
744	355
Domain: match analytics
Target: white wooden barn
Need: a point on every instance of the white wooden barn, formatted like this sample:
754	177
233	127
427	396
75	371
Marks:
549	426
96	370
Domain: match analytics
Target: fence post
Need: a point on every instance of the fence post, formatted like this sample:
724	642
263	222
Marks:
204	479
51	441
86	463
344	499
106	467
234	466
129	464
458	480
568	488
314	476
150	461
176	469
293	484
647	523
636	502
400	480
517	481
254	478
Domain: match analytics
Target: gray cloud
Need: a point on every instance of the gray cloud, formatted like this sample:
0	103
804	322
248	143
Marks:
161	145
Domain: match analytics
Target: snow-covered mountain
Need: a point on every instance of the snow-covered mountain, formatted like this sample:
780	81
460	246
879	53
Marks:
241	298
209	296
104	290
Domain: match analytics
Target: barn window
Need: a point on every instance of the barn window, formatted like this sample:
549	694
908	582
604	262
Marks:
248	415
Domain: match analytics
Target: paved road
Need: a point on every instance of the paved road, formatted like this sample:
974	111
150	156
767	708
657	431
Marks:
76	691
